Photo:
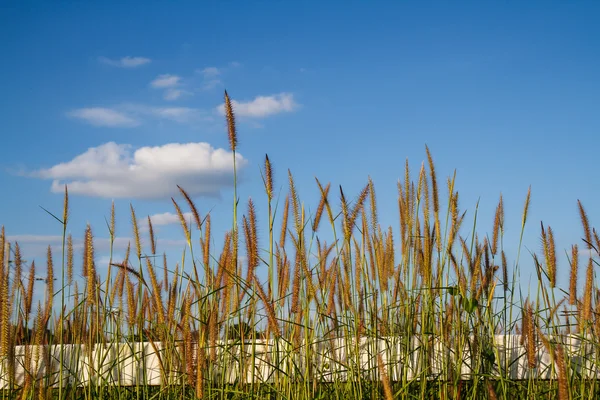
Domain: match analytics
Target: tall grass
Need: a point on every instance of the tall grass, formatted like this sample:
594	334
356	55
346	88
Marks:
424	311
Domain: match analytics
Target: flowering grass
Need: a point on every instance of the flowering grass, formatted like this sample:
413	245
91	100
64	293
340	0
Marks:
414	313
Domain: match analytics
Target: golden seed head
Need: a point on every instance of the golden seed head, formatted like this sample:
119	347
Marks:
586	225
230	116
183	222
192	206
268	178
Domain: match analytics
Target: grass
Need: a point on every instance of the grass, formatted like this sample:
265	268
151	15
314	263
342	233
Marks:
420	312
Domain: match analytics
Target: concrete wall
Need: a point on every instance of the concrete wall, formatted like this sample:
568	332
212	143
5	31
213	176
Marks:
128	364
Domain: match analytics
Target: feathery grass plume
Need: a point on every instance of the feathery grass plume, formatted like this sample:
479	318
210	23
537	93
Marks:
283	272
226	272
136	233
332	290
357	208
192	207
3	253
90	266
249	251
597	318
223	260
172	300
596	240
271	318
112	227
552	258
183	222
550	254
587	294
187	338
498	225
165	273
131	303
200	365
4	303
156	291
284	222
296	285
531	337
234	273
29	295
151	236
117	289
387	388
49	282
504	271
345	215
39	330
205	244
65	217
230	117
131	271
373	199
268	177
586	225
526	208
18	262
295	203
253	257
436	201
455	220
321	207
574	272
70	260
563	377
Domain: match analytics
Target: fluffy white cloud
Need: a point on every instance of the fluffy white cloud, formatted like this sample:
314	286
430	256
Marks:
168	218
125	62
263	106
107	117
112	170
165	81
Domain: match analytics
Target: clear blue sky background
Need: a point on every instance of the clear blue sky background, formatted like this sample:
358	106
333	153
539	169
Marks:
506	93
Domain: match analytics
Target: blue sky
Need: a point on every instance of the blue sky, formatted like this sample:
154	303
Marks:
121	101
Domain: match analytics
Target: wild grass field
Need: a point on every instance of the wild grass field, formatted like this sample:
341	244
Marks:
415	312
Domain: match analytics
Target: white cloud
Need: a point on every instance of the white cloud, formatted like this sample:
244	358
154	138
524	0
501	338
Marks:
210	72
177	114
263	106
112	170
168	218
107	117
132	115
165	81
174	94
35	246
125	62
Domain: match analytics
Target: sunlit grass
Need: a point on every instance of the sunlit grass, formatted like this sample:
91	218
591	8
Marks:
419	312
